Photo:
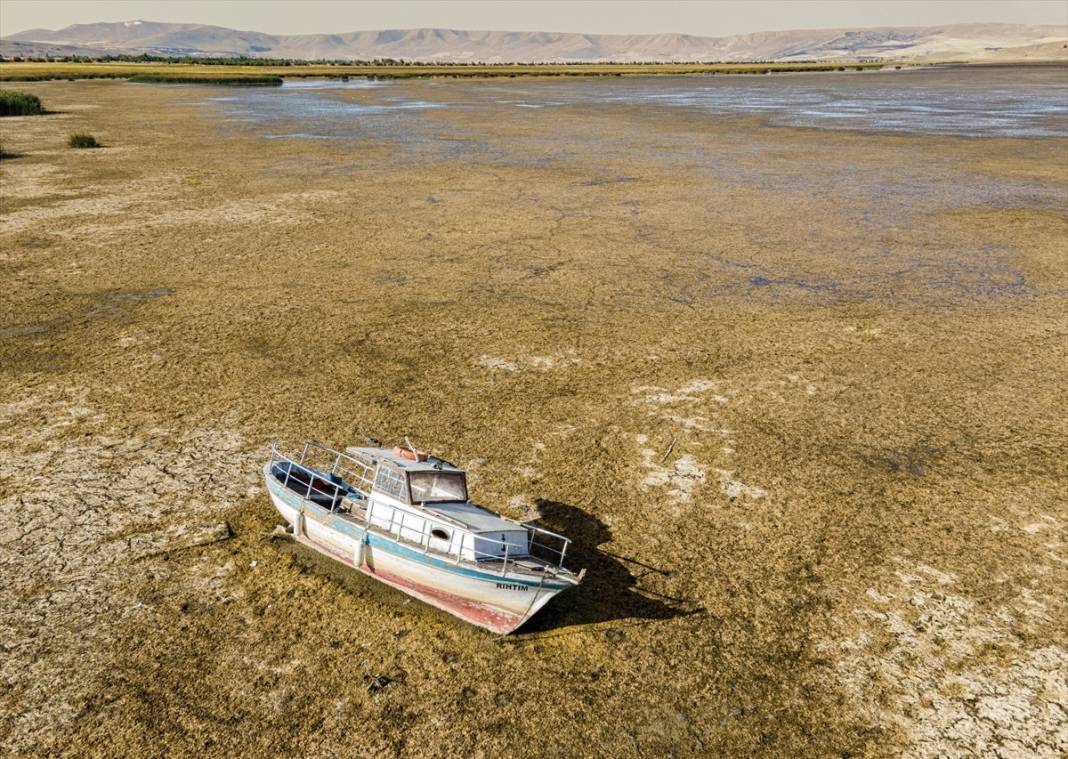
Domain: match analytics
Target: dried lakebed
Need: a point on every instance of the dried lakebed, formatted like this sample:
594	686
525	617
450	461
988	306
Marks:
795	390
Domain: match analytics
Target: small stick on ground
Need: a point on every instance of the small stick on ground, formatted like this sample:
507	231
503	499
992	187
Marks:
670	448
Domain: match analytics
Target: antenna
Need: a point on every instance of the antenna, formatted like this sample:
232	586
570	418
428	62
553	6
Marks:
408	442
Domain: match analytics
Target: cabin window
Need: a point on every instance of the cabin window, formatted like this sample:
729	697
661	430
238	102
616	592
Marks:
439	533
438	486
391	483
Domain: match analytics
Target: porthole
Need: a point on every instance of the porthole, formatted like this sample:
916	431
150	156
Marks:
439	533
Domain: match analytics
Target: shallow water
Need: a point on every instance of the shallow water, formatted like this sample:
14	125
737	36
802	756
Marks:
970	102
973	102
615	134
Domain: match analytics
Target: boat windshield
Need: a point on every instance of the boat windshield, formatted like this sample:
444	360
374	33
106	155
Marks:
437	486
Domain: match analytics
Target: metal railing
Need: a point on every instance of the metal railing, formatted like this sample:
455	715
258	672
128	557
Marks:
355	472
329	481
559	553
418	530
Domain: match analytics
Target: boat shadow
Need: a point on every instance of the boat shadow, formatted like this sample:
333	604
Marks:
609	591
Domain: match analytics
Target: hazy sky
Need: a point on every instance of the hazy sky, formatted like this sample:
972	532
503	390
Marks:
710	18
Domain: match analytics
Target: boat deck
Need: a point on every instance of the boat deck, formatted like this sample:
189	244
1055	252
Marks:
470	517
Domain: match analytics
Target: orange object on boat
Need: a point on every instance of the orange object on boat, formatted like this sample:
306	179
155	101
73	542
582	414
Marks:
409	454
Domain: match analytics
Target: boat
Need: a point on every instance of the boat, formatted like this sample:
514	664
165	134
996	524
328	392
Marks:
403	516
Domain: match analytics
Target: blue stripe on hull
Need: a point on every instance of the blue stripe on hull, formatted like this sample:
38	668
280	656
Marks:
338	524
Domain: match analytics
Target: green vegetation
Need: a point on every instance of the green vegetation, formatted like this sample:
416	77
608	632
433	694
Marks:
229	80
246	72
19	103
83	141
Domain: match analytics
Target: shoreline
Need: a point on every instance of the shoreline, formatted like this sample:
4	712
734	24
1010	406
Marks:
196	73
16	71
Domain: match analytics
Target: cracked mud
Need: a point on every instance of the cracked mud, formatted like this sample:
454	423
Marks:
798	395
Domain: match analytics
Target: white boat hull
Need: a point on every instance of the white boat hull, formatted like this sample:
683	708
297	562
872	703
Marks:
497	602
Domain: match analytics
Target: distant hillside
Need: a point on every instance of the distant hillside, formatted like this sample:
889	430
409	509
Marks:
1043	51
13	49
960	41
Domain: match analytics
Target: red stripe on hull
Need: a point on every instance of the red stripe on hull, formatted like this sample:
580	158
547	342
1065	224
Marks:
478	614
484	616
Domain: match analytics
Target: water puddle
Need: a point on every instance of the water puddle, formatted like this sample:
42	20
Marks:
332	84
297	136
970	102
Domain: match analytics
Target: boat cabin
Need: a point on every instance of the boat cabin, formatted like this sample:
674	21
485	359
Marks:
423	499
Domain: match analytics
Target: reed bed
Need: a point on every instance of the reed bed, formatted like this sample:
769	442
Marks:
19	104
230	81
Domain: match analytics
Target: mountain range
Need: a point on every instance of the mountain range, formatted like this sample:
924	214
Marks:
952	42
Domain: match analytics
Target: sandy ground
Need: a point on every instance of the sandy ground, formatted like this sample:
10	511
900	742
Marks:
800	405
